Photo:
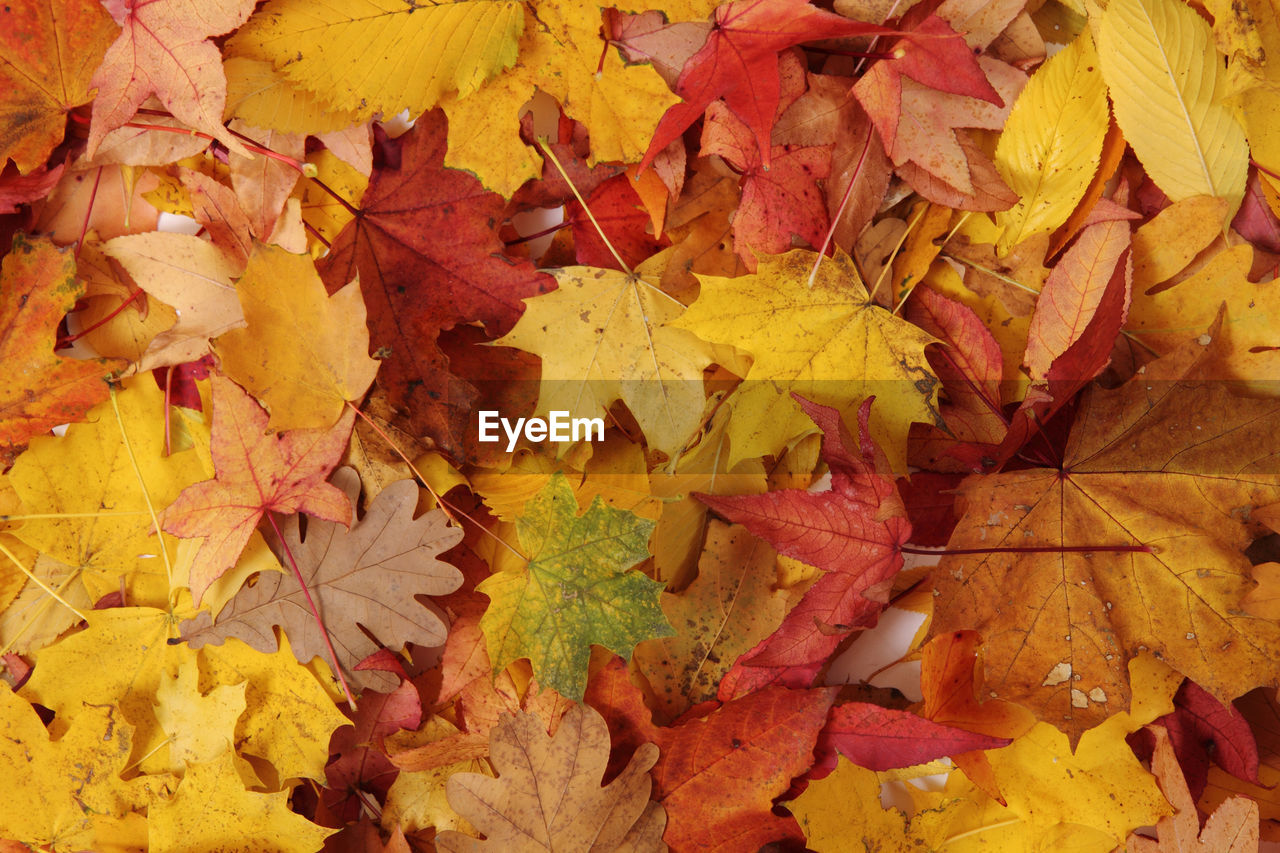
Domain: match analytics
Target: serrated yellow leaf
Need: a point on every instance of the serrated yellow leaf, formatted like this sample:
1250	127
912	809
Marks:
375	57
611	341
1050	146
260	95
1166	82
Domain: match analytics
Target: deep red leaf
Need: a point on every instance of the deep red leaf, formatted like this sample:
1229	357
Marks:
883	738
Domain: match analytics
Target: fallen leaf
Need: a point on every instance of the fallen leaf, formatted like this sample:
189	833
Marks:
827	342
256	473
40	389
366	576
548	795
48	52
303	353
575	590
211	800
164	50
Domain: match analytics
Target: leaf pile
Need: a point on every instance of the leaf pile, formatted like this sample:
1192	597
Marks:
956	315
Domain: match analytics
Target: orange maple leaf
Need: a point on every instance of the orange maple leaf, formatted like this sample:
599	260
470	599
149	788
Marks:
38	388
256	473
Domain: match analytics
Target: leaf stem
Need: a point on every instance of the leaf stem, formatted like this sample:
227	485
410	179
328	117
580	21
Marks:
844	202
142	484
88	211
315	613
1029	549
550	155
103	321
35	580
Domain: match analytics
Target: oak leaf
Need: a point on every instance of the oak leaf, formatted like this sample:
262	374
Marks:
827	342
256	473
548	795
304	354
575	591
164	50
40	389
366	576
1142	470
48	52
380	57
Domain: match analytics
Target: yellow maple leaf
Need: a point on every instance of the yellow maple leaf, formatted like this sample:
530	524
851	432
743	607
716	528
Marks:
827	342
612	340
56	786
304	353
200	727
212	810
87	479
560	54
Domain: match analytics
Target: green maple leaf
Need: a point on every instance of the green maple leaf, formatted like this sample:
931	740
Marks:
575	591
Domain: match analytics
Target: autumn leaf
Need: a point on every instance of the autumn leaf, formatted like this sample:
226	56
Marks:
605	336
212	797
827	342
883	738
362	764
1162	74
303	354
164	50
1232	828
1060	637
48	52
366	576
739	63
404	61
256	473
575	591
40	389
548	795
448	270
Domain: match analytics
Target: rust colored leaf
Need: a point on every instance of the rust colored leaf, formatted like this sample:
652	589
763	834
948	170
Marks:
39	389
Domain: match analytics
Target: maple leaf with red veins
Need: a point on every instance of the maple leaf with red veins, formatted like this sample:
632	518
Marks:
426	248
853	533
739	63
256	473
164	50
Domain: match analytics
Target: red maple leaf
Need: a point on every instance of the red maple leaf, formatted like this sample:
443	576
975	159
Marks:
853	533
426	248
739	63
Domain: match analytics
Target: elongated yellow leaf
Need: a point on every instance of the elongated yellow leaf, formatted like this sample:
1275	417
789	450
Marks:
383	56
1050	146
1166	82
264	97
